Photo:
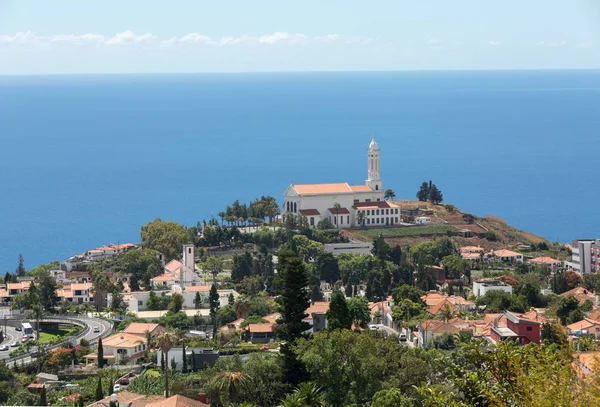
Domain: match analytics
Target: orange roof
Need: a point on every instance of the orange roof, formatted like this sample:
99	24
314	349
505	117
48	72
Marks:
470	255
506	253
3	293
534	315
438	327
198	288
318	189
318	307
23	285
260	328
136	328
272	317
173	266
123	340
583	324
62	293
433	298
437	309
581	294
233	326
309	212
166	277
360	188
131	399
544	260
594	315
471	249
177	401
82	286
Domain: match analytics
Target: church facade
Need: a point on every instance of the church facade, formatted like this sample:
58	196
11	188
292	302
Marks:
345	205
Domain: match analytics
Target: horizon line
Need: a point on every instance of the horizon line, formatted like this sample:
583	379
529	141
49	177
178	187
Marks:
299	72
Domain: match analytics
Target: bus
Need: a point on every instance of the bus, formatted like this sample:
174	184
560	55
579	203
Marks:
27	329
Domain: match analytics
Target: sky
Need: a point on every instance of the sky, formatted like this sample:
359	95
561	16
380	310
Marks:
77	37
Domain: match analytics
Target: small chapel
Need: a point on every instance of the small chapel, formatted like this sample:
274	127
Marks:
345	205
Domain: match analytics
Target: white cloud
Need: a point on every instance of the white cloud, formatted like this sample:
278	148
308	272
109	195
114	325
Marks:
282	37
585	44
19	38
494	43
434	42
78	39
552	44
128	37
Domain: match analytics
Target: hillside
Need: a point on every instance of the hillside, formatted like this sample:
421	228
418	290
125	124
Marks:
446	220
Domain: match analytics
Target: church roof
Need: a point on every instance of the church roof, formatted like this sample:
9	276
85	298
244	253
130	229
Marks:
360	188
371	205
309	212
340	211
316	189
373	145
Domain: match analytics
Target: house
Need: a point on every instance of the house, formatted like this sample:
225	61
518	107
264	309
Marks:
77	293
517	328
235	326
177	401
142	329
483	285
60	276
42	378
105	252
453	303
582	295
422	220
546	260
431	328
121	346
344	205
183	273
260	333
317	316
585	327
507	256
127	399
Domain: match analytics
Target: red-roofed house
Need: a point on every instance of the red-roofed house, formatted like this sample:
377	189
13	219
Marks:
507	256
260	333
517	328
546	260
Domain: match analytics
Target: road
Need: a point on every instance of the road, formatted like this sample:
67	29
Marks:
393	333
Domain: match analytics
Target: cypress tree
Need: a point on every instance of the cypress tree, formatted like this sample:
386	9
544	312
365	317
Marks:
194	363
213	298
184	367
99	391
338	315
162	361
43	401
100	354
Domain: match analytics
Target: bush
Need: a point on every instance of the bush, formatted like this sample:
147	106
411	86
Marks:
491	236
449	207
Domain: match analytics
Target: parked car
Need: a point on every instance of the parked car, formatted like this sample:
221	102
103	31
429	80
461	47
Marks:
14	345
18	328
373	327
3	347
96	329
117	387
124	381
402	337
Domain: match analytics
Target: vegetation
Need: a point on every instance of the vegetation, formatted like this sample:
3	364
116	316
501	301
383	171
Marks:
408	231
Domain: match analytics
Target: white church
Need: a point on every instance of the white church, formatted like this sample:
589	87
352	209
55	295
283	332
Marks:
359	205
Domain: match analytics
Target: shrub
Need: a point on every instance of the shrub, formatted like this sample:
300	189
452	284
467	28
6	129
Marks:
449	207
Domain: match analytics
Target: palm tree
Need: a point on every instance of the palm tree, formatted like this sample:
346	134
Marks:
336	211
242	306
37	312
310	394
231	383
222	216
389	194
447	313
166	340
292	400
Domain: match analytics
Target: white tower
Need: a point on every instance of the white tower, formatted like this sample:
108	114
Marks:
374	179
188	257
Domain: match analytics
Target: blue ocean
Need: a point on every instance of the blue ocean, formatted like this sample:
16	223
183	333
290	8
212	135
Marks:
86	160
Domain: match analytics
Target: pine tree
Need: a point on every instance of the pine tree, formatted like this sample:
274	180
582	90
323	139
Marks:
423	192
293	300
213	299
197	301
43	401
184	367
338	315
20	271
194	362
435	195
99	391
100	354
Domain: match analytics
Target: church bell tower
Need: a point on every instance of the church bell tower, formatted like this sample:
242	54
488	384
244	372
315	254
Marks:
374	178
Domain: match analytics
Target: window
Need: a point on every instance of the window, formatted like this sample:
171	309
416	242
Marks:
396	211
140	303
367	200
368	211
396	219
377	212
368	221
288	205
356	200
312	221
335	220
341	220
382	220
529	328
377	220
348	219
377	188
378	200
189	250
387	211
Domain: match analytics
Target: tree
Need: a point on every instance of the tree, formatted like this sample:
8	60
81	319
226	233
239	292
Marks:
435	195
226	314
308	250
423	192
566	306
100	354
197	301
184	366
380	249
47	290
20	271
242	267
391	398
194	362
99	391
166	340
389	194
43	401
359	311
213	265
231	383
325	224
231	299
336	211
338	315
167	238
328	268
213	299
242	306
176	303
293	300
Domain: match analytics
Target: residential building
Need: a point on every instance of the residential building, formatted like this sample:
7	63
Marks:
77	293
586	326
105	252
128	399
359	205
483	285
454	303
431	328
260	333
317	316
517	328
12	289
422	220
549	261
582	295
121	346
142	329
507	256
585	256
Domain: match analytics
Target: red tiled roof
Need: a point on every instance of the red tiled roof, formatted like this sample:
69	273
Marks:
177	401
360	188
320	189
545	260
309	212
260	328
437	309
198	288
340	211
506	253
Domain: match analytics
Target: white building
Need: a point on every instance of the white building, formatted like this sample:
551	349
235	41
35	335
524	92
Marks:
422	220
585	256
482	286
359	205
182	273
